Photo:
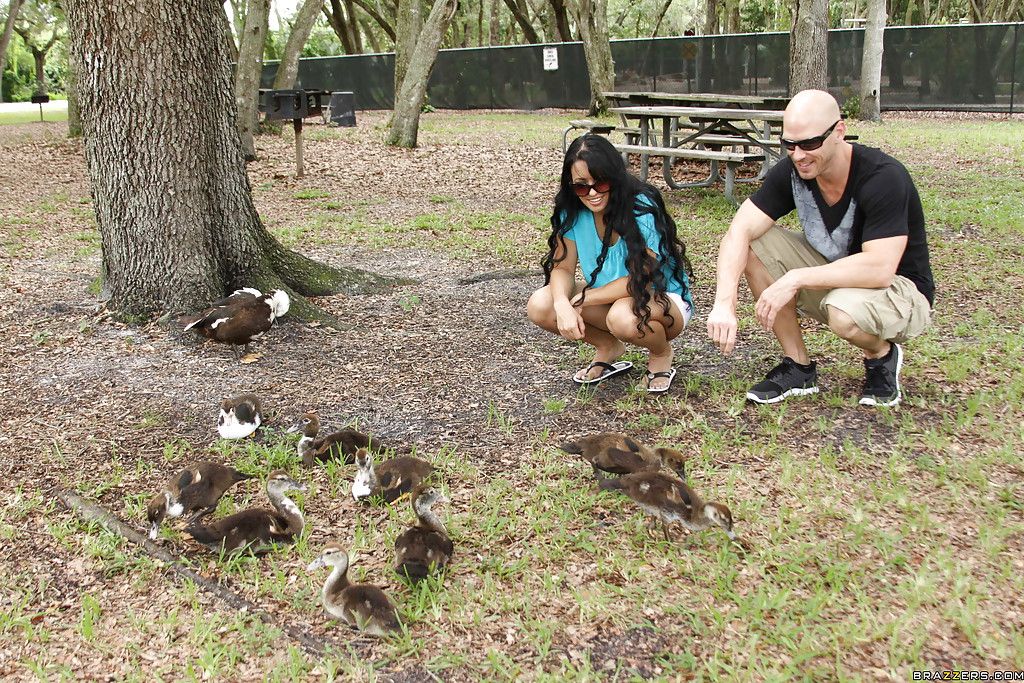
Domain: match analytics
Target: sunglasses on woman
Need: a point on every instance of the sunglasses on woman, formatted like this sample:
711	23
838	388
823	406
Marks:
810	144
600	187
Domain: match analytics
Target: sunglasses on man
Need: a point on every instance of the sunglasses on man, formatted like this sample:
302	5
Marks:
810	144
600	187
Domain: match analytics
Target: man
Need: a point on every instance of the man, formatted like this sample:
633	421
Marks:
860	265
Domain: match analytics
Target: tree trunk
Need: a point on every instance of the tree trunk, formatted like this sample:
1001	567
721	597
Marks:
177	222
74	113
592	22
338	21
561	13
521	14
408	24
247	74
808	47
288	69
5	39
371	37
493	23
377	17
405	122
353	27
661	18
711	18
871	62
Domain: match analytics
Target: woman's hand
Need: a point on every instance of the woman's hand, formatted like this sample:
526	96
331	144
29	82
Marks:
570	322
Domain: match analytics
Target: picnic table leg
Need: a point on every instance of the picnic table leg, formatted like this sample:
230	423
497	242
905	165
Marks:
666	141
645	134
730	182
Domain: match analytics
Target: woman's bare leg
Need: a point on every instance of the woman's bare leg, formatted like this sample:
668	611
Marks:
607	348
622	324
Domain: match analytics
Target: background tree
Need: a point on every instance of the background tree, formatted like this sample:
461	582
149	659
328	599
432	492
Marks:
592	21
808	46
408	25
5	39
405	120
40	24
247	73
871	62
176	218
305	18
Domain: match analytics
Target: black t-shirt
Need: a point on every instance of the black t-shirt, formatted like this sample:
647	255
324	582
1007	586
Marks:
880	200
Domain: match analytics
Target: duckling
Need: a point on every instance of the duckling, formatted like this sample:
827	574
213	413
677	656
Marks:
341	445
390	479
239	416
366	607
193	489
256	527
241	318
619	454
425	548
668	499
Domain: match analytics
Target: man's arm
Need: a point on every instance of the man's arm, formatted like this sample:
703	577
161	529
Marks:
873	268
747	225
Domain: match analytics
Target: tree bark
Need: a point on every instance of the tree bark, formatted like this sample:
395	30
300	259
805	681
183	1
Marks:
177	222
405	122
74	113
338	21
5	38
808	47
353	27
493	23
592	22
711	18
408	24
871	62
522	16
561	13
247	73
288	69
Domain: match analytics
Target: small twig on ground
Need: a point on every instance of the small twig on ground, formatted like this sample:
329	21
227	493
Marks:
91	512
507	274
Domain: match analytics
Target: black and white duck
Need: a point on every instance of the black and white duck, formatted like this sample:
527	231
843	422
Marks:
256	528
340	445
361	605
390	479
239	416
195	489
669	499
425	548
241	317
620	454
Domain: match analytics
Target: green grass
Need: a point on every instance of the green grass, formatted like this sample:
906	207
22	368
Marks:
880	542
50	114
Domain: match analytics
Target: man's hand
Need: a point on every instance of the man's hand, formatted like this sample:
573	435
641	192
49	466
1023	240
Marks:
722	327
774	299
570	322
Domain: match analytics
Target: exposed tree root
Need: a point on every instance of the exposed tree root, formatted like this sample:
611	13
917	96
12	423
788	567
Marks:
507	274
91	512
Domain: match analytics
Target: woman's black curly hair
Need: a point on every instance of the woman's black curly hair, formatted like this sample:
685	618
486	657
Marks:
624	204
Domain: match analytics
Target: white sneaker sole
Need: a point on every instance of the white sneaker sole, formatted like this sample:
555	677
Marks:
871	401
751	396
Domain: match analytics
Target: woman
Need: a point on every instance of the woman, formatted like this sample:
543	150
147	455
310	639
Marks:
636	288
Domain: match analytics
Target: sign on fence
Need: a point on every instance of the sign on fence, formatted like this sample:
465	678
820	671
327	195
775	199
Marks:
551	59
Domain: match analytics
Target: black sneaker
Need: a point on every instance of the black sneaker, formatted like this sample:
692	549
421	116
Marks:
882	378
788	378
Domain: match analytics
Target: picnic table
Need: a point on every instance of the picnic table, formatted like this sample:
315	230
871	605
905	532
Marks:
703	134
697	99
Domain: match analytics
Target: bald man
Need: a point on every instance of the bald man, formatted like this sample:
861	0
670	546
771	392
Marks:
859	265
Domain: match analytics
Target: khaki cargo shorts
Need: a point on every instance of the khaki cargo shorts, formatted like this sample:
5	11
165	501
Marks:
896	314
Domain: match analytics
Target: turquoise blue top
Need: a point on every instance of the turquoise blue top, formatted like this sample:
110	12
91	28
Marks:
588	248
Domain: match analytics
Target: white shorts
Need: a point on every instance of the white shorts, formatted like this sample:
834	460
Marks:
683	306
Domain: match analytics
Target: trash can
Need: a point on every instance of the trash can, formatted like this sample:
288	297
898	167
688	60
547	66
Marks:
342	108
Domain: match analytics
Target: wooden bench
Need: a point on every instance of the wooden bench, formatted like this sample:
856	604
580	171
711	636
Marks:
632	134
731	160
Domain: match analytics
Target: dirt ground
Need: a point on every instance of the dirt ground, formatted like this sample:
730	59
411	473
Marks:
426	365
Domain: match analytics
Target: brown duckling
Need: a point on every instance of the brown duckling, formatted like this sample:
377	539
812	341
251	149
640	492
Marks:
340	445
425	548
366	607
194	489
239	416
390	479
256	527
668	499
240	318
619	454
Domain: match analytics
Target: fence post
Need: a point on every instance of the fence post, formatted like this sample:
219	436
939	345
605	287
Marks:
1013	65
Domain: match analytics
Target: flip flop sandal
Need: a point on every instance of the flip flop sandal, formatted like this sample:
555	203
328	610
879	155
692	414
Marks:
610	370
651	376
